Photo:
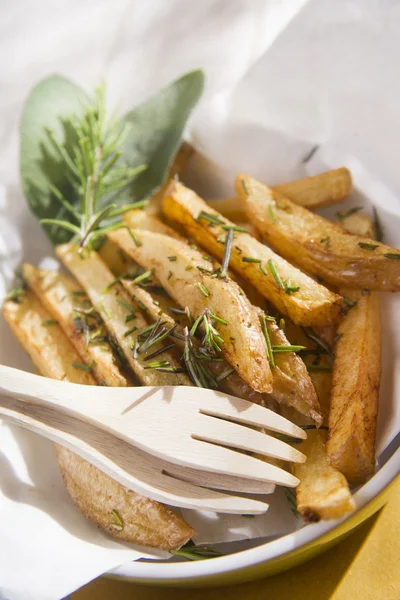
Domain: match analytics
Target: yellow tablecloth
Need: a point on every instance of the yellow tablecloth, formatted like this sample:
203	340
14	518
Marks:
365	566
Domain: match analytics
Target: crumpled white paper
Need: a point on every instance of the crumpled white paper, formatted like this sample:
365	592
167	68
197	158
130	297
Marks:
281	78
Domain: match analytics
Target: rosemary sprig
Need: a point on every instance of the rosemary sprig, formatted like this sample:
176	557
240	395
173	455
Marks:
270	353
94	169
196	552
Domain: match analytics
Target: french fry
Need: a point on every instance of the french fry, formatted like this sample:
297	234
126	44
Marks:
123	321
323	492
358	223
186	276
145	522
326	188
356	381
291	291
61	295
318	246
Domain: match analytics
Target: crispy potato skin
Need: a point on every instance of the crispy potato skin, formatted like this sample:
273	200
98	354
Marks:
55	291
146	522
355	389
315	244
323	492
326	188
244	346
312	304
94	276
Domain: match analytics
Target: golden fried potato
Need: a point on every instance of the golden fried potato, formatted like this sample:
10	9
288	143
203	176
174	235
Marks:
124	322
323	492
358	223
61	295
186	276
315	244
326	188
145	522
291	291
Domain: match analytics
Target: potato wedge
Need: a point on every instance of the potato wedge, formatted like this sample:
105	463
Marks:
357	223
326	188
139	219
115	307
145	522
315	244
311	304
58	293
323	492
176	266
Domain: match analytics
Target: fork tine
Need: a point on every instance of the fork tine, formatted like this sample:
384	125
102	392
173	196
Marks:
241	411
225	433
218	481
217	459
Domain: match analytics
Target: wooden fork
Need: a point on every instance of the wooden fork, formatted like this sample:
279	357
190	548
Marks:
187	426
133	468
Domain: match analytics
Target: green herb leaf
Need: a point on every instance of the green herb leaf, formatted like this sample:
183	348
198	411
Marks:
366	246
392	255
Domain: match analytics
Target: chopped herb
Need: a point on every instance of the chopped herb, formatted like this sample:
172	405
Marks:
270	353
203	270
159	351
157	334
126	305
325	240
134	237
161	364
15	295
221	239
337	337
161	311
272	213
189	268
310	154
100	339
193	246
218	319
244	186
142	277
282	323
290	289
198	373
129	331
171	258
130	317
203	290
105	311
289	348
366	246
210	218
365	292
263	269
227	254
208	258
392	255
378	226
315	338
238	249
176	311
141	305
83	367
249	259
249	516
196	552
118	525
316	368
79	293
291	498
236	228
169	275
50	322
171	370
285	207
348	302
275	274
342	214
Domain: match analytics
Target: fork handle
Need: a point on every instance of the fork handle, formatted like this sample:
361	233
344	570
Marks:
92	404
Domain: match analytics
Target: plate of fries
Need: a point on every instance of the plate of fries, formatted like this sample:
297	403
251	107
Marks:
259	296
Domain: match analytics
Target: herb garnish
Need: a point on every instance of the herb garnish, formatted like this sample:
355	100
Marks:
342	214
272	213
118	525
392	255
203	290
227	254
171	258
325	240
237	228
270	353
287	348
196	552
82	366
366	246
275	274
351	303
210	218
291	498
263	269
48	322
249	259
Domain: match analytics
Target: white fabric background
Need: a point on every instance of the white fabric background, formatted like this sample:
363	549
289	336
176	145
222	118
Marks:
282	76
